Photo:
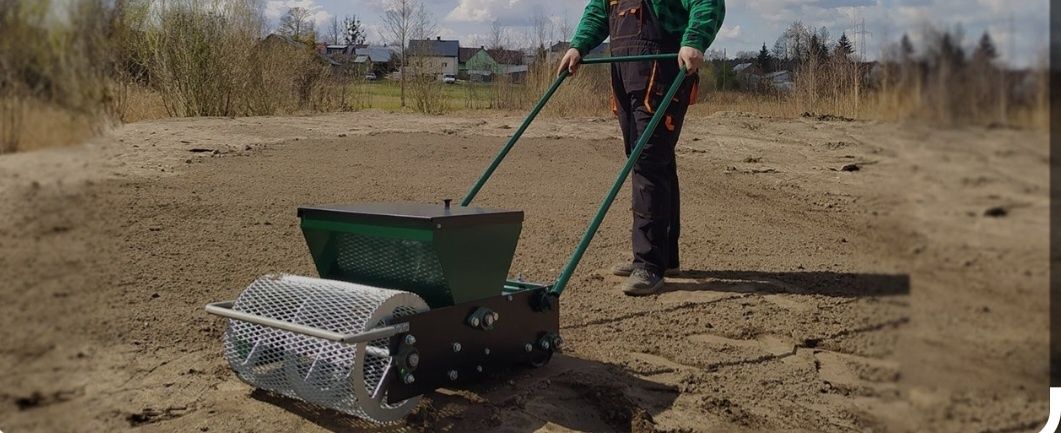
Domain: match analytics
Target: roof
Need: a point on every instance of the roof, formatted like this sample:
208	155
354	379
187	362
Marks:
741	67
467	53
506	57
435	47
377	54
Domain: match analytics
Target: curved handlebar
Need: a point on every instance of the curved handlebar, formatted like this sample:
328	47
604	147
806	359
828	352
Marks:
558	287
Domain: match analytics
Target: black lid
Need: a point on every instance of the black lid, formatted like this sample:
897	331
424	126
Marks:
411	214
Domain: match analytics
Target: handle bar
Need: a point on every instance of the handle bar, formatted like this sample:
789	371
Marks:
538	108
561	282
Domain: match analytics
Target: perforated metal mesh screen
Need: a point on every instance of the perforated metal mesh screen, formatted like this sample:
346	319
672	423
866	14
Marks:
339	376
389	262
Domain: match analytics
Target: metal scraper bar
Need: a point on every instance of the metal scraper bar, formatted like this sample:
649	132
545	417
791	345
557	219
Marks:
224	309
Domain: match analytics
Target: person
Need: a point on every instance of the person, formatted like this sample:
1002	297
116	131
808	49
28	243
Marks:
637	27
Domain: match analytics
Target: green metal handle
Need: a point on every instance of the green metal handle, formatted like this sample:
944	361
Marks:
538	108
558	287
624	59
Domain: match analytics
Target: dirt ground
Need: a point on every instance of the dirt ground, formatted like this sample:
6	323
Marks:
907	295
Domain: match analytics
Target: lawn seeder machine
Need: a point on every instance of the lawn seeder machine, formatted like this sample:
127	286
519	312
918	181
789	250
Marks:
411	298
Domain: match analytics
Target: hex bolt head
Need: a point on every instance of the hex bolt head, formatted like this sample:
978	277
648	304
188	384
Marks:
558	342
413	360
486	351
489	319
528	347
408	378
453	375
456	347
545	345
409	339
479	368
473	321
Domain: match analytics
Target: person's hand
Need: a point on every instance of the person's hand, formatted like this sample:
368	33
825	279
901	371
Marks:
570	61
691	58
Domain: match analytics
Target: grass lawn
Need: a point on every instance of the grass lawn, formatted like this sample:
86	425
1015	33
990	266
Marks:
386	94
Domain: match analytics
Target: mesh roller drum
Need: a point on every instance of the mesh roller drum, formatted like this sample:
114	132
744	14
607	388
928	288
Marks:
343	377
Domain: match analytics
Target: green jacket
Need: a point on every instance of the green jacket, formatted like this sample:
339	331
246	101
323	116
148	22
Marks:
698	21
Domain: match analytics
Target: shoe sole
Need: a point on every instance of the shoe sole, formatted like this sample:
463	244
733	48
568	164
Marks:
626	272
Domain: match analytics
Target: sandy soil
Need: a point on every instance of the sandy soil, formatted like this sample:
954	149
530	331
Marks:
815	299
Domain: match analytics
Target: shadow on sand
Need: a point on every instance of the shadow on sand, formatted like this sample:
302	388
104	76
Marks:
810	283
568	392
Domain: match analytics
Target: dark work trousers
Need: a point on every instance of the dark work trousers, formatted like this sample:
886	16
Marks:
656	197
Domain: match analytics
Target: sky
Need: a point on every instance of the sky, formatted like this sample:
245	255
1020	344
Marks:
1020	28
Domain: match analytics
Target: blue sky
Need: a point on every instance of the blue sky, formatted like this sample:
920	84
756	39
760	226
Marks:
1020	27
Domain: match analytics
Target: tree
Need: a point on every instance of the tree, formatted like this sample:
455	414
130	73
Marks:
816	49
497	38
404	20
565	28
353	31
906	49
542	28
335	32
297	24
764	60
843	49
985	51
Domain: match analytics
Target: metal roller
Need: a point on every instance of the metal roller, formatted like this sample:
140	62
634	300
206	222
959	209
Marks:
321	341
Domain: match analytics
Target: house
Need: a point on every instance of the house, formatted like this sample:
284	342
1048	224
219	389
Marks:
434	56
481	64
380	60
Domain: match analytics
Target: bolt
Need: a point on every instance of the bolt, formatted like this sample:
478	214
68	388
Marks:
453	375
528	347
413	360
489	319
456	347
479	368
409	339
474	321
509	297
486	351
545	344
558	342
408	378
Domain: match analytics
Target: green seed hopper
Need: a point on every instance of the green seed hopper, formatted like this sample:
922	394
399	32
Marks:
410	298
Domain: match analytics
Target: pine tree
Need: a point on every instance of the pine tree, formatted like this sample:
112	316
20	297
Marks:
843	49
765	61
985	50
906	48
353	31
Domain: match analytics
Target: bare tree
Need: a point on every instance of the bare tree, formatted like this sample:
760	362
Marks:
498	36
404	20
542	28
565	28
336	32
298	24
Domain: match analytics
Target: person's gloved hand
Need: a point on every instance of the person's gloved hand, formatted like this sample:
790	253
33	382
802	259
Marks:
691	58
571	60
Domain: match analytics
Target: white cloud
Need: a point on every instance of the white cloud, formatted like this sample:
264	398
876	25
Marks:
274	9
728	32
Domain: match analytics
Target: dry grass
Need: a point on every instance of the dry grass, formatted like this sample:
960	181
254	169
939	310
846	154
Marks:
69	72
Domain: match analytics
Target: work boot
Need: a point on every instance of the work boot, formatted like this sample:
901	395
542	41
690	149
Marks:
642	282
623	269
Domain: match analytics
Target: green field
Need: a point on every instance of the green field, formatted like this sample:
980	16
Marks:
386	94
